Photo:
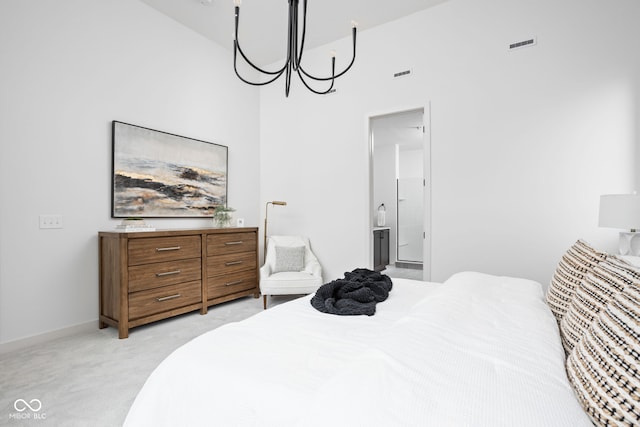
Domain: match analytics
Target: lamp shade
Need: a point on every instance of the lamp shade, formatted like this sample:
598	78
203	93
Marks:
620	211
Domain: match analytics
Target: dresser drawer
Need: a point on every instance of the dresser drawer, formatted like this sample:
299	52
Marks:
225	285
218	244
149	276
231	263
158	249
146	303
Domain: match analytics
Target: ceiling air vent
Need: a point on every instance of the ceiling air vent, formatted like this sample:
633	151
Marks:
522	43
404	73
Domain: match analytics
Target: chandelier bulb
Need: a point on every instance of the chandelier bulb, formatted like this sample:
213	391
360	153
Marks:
354	24
237	3
332	53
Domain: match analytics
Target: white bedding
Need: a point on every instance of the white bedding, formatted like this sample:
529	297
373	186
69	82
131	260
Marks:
477	350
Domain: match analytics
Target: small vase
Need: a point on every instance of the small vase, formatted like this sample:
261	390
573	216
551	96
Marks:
221	222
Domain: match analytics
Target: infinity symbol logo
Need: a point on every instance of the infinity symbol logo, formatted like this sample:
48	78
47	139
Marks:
21	405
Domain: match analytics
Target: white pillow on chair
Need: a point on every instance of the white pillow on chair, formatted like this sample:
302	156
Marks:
289	258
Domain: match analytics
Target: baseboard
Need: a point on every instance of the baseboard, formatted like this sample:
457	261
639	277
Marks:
47	336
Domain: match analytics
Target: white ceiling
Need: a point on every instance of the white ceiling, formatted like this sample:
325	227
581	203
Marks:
263	23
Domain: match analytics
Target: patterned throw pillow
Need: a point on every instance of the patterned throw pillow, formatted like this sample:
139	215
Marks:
289	258
574	265
592	294
604	367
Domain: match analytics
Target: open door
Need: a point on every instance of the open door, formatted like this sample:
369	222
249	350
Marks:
400	170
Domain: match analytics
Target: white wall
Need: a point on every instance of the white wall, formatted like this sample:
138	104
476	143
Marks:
70	67
522	143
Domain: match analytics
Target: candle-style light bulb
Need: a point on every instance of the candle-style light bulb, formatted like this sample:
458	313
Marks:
332	53
354	24
237	3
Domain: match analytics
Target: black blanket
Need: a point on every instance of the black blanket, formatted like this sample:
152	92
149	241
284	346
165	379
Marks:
358	293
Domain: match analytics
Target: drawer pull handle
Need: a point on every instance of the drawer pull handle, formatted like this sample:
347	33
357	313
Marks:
237	282
168	273
234	243
168	298
172	248
232	263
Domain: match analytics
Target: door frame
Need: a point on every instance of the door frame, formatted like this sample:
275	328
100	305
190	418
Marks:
426	145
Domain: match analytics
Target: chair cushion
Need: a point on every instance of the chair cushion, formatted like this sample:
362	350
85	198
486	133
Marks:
290	283
289	258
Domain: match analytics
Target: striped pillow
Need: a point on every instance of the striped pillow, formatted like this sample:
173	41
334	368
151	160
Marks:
604	367
574	265
594	292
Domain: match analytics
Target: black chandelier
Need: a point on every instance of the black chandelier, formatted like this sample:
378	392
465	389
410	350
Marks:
294	54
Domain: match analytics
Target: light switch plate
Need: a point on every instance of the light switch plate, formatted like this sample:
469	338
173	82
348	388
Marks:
50	221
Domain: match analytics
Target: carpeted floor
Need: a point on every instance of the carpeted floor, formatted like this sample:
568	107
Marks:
91	379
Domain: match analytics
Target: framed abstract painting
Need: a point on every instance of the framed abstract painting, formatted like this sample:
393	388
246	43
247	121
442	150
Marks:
158	174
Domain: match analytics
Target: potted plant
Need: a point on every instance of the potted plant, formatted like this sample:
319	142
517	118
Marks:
222	216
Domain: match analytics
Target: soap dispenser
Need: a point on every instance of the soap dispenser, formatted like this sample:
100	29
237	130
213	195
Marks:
381	215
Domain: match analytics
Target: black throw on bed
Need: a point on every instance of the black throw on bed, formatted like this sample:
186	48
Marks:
358	293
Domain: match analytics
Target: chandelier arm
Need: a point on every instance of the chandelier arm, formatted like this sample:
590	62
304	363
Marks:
340	73
304	30
287	80
317	92
292	52
255	67
236	45
235	68
254	83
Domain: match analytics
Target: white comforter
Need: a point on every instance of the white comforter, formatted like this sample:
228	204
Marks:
477	350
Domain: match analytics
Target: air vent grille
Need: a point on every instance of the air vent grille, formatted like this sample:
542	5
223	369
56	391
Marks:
523	43
404	73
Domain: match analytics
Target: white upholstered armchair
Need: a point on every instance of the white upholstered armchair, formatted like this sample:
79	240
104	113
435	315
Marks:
290	268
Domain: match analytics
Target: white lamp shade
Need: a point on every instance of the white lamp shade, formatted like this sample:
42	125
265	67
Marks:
620	211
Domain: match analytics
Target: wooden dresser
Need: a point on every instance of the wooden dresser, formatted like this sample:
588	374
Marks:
149	276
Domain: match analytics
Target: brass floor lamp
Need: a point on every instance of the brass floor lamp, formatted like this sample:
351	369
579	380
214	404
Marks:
266	215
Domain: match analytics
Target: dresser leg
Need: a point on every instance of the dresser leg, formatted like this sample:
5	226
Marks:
264	301
123	331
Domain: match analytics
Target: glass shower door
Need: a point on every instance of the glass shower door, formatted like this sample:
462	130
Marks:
410	219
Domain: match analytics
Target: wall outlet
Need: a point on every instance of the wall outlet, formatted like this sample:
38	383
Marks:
50	221
240	222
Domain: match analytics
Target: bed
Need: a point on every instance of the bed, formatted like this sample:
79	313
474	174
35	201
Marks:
476	350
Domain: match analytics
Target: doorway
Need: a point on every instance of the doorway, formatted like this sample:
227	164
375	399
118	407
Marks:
400	196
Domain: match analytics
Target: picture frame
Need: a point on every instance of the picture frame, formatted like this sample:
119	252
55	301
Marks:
162	175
